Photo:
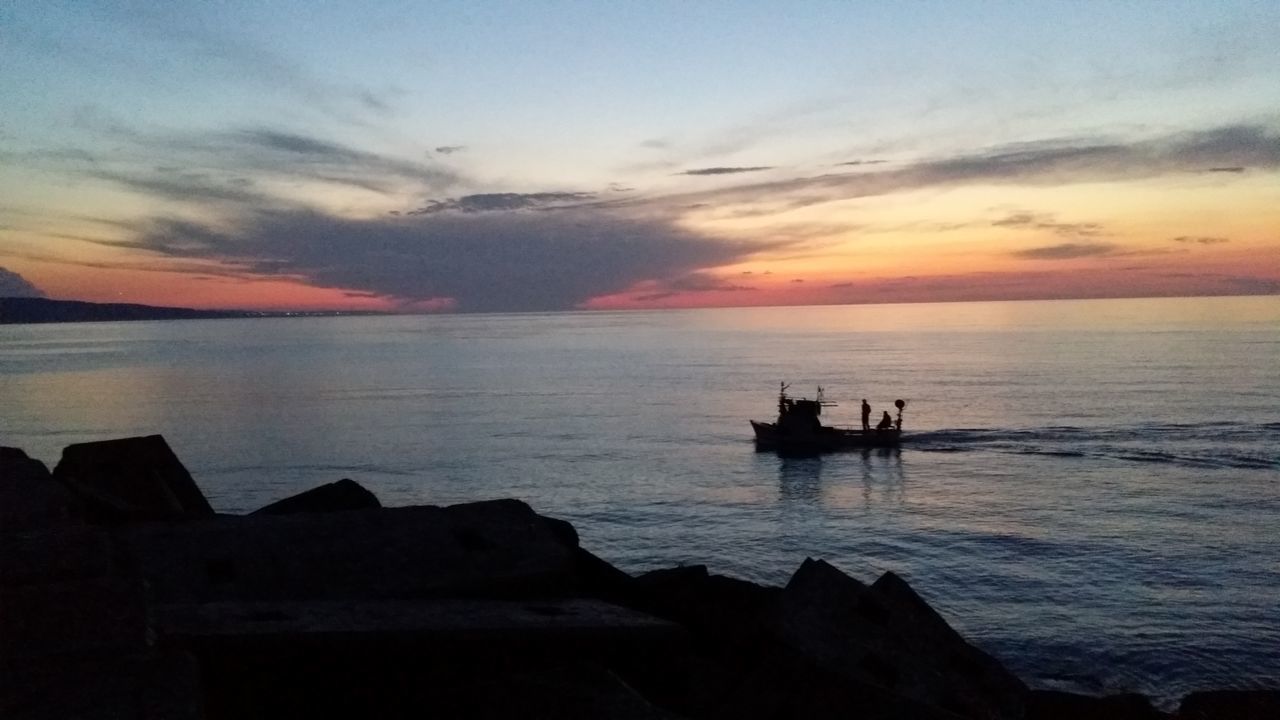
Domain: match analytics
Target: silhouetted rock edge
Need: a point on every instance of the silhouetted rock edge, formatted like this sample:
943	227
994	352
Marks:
122	593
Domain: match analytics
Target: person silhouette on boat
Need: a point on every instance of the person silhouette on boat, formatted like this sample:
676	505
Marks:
866	415
886	422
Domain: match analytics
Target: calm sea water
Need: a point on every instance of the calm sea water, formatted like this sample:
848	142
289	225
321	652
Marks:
1091	490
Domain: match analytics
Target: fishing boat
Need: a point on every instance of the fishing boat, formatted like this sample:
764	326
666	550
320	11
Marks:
799	431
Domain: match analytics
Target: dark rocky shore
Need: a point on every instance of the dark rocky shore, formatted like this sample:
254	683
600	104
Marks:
123	595
21	310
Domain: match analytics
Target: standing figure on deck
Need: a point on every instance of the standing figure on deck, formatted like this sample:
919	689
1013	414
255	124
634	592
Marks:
886	422
866	415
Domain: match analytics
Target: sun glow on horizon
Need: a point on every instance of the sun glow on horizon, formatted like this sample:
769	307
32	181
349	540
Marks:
864	157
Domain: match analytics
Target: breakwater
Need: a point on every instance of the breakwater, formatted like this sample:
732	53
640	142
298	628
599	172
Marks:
125	594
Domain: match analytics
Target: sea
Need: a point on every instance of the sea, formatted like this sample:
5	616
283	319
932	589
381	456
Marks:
1087	489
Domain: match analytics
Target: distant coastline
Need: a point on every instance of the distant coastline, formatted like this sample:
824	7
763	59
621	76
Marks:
24	310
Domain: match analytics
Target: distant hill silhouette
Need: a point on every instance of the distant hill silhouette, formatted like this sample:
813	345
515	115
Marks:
14	310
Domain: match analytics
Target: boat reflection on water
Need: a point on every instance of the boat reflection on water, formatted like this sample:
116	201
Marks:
883	475
800	479
813	479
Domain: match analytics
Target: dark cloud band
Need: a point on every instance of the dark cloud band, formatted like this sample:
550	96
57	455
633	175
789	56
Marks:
492	262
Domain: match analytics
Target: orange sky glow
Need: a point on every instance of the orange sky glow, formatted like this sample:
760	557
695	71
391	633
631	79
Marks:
255	177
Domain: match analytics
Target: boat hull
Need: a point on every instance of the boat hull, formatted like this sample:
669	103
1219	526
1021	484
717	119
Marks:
821	440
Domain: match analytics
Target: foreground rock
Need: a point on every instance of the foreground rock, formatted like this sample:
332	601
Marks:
1231	705
497	548
123	595
131	480
29	498
346	494
886	635
75	636
1055	705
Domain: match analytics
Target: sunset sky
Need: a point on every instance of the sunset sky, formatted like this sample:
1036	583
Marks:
486	156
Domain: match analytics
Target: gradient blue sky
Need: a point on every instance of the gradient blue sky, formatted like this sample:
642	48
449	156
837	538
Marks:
540	155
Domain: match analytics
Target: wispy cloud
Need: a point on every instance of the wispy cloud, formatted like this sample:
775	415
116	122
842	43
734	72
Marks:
238	166
266	150
49	157
1045	221
1201	239
188	268
724	170
968	286
197	50
1066	251
783	121
1049	162
1057	161
502	202
704	282
183	186
450	149
1247	284
1255	285
695	282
